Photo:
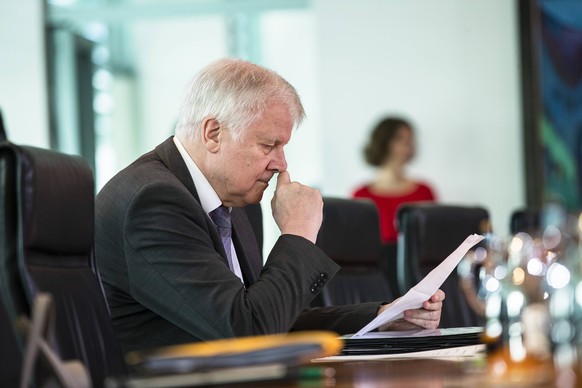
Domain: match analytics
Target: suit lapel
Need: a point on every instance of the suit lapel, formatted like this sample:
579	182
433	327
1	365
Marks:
170	156
245	243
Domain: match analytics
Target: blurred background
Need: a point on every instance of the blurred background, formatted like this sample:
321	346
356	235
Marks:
104	79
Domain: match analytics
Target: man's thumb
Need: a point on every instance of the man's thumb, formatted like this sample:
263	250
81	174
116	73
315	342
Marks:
283	178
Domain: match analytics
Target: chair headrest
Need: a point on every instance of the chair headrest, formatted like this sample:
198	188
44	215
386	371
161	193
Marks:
57	201
350	231
524	220
435	230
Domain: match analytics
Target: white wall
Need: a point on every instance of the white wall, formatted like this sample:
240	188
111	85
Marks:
23	97
451	66
167	55
289	48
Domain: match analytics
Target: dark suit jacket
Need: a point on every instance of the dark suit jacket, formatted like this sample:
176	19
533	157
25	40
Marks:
165	272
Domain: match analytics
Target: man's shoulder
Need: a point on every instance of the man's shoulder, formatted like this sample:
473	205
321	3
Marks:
147	167
153	163
147	171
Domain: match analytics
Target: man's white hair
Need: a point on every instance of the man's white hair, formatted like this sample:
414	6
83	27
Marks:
235	93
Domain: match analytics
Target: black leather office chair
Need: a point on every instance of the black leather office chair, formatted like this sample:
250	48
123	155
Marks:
48	211
524	220
13	299
350	235
12	350
428	233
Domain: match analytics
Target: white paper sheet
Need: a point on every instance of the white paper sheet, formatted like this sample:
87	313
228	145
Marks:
418	294
417	333
460	353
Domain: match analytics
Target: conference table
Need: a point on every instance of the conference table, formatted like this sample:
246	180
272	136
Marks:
426	373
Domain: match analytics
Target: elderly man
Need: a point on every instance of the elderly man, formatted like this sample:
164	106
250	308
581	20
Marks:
175	251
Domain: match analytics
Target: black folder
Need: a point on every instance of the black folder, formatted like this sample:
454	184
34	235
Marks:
410	341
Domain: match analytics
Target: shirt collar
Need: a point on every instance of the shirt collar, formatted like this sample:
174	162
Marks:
208	197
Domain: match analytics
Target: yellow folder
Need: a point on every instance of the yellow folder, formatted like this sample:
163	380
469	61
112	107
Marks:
286	349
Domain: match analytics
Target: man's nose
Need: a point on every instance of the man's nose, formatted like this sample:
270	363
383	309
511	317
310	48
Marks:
278	162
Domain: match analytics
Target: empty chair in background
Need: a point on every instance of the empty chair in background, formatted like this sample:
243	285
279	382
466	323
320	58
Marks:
350	235
428	233
524	220
50	249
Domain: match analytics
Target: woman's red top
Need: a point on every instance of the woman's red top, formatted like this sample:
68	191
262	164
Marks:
388	205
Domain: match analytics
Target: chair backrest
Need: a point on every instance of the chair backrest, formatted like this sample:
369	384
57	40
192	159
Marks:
53	198
428	233
524	220
350	235
13	298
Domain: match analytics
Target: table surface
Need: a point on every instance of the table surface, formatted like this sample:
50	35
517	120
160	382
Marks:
427	373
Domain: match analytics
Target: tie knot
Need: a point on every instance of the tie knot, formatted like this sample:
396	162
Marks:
221	217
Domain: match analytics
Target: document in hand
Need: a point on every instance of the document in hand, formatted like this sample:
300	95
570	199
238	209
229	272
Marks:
416	296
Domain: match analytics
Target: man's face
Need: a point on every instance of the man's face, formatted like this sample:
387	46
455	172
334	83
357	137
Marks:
242	169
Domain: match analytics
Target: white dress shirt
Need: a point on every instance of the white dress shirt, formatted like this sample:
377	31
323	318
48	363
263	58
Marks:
208	197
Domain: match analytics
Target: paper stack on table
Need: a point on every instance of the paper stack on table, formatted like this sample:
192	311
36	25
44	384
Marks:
418	294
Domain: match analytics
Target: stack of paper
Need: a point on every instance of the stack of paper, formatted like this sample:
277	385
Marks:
395	342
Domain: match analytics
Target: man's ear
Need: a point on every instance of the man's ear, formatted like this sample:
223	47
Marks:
210	134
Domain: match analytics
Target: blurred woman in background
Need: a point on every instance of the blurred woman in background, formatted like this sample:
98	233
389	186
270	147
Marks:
390	148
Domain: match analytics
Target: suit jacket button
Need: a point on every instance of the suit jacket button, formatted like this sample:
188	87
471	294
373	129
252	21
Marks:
313	290
323	276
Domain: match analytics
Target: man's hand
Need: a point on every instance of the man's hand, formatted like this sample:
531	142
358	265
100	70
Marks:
427	317
297	209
